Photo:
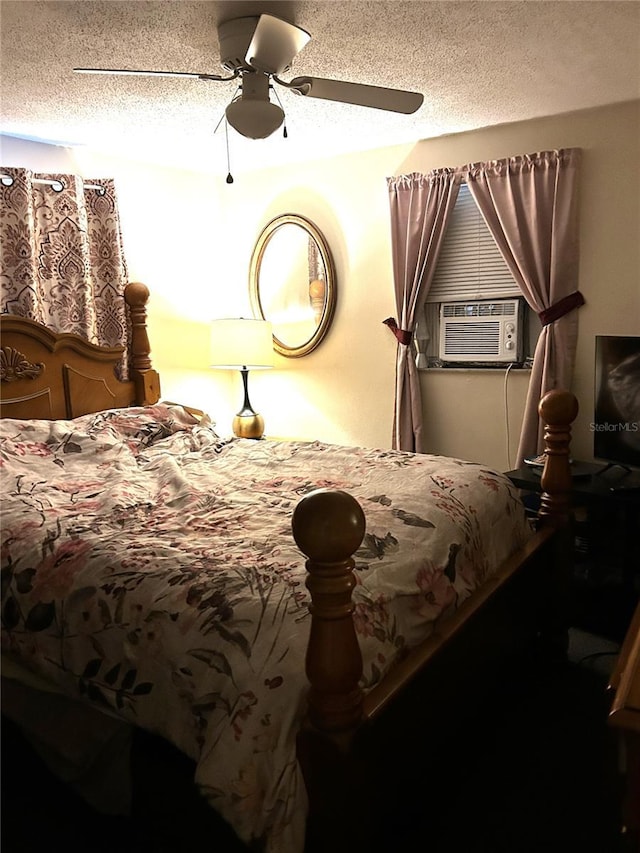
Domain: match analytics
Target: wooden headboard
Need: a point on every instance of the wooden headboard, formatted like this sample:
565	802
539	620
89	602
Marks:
60	376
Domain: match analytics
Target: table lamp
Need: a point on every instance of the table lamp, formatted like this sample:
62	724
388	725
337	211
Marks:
243	344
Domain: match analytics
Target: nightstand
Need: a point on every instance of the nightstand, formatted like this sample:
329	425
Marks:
606	503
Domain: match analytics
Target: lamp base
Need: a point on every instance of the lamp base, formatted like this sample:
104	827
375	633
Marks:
248	425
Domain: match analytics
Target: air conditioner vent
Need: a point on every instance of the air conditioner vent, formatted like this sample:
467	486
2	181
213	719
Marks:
480	309
485	339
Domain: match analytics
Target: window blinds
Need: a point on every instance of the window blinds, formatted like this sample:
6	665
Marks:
470	265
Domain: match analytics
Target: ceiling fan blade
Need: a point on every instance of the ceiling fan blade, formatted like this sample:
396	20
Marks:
128	71
395	100
275	44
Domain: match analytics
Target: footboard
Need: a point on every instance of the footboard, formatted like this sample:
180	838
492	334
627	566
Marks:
328	527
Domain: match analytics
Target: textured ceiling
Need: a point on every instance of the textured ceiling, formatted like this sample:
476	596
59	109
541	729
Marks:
477	63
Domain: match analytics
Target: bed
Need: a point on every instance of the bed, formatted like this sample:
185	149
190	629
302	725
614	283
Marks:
152	575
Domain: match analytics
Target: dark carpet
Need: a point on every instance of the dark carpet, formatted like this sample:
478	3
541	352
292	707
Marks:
538	774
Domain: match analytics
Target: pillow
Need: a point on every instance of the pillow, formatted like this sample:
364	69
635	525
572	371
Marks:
139	427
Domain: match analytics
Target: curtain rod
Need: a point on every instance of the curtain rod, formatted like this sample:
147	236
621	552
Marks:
56	186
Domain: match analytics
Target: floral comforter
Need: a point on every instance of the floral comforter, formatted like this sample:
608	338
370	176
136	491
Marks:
148	567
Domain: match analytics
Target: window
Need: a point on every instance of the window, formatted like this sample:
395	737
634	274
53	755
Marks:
470	265
470	270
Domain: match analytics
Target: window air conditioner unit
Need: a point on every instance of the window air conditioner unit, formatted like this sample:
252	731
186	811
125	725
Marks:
488	332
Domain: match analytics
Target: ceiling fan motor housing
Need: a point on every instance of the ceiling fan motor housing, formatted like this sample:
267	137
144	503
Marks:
234	38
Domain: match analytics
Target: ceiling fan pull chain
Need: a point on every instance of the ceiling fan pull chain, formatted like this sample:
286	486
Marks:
226	134
284	126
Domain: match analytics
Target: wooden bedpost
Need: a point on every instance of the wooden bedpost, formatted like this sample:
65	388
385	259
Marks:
328	527
145	377
558	410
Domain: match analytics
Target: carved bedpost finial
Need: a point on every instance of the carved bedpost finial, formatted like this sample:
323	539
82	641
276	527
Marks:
558	410
136	296
328	527
147	380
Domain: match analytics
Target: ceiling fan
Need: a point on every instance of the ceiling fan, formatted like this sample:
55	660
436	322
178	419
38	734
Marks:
257	50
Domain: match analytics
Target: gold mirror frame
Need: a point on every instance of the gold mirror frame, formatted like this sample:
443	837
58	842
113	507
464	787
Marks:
330	294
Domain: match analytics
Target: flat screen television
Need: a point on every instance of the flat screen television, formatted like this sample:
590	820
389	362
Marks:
616	425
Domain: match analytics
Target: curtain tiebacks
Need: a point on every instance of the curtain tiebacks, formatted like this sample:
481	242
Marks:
561	307
403	336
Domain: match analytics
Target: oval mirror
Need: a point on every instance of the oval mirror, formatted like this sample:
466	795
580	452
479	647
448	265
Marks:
292	284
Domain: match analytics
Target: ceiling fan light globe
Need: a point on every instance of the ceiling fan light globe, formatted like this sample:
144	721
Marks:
254	119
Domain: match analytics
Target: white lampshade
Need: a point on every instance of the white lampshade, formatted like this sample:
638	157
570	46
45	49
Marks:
238	343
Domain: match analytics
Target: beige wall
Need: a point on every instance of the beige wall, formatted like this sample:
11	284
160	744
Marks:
343	391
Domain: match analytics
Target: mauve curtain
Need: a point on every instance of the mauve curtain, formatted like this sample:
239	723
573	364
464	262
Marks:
62	260
420	209
530	205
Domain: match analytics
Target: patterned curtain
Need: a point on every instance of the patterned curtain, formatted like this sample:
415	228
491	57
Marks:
62	260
